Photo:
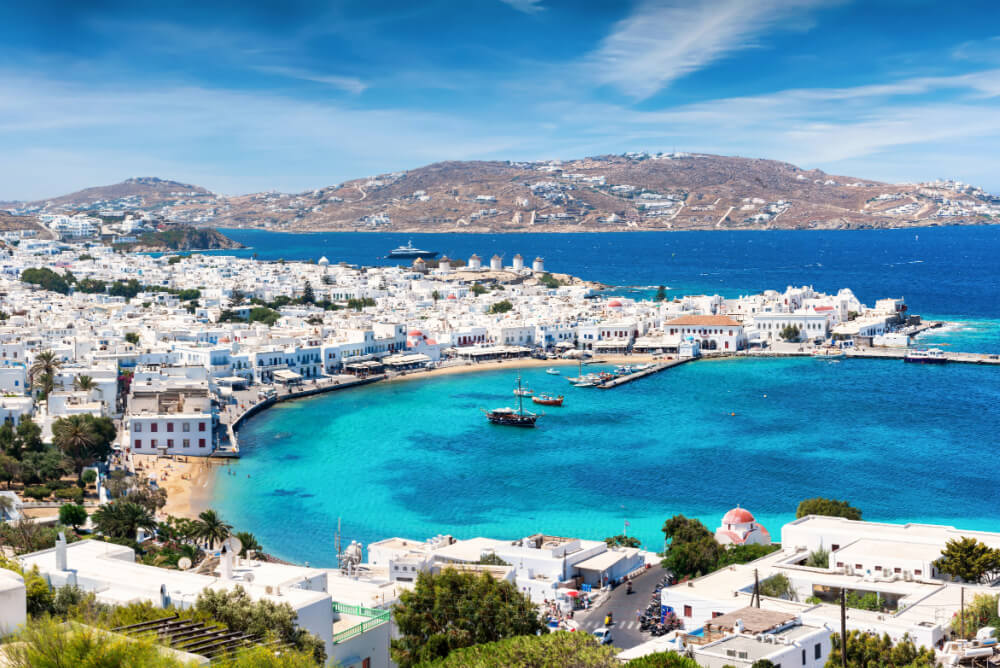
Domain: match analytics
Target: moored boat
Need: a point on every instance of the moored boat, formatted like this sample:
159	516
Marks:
510	417
548	400
828	352
410	251
552	371
931	356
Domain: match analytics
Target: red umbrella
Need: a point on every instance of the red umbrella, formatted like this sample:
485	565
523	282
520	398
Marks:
574	594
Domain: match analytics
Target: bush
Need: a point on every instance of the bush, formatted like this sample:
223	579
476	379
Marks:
89	477
38	492
827	507
74	494
561	648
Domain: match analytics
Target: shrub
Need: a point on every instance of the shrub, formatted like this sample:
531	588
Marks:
74	494
38	492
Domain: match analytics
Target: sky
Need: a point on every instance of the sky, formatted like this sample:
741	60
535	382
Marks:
243	96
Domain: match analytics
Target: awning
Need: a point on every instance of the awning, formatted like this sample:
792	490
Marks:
601	562
231	380
286	375
402	360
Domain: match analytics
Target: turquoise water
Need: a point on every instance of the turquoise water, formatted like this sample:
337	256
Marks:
417	458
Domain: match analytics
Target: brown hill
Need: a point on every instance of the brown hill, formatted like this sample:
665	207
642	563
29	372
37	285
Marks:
636	191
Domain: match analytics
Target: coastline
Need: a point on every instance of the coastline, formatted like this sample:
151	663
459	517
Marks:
190	484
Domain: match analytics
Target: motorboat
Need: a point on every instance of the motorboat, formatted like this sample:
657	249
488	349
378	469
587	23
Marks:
410	251
548	400
552	371
930	356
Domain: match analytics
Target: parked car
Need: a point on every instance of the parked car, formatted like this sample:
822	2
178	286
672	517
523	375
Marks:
603	635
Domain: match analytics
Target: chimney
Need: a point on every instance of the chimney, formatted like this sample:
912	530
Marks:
226	563
61	552
739	626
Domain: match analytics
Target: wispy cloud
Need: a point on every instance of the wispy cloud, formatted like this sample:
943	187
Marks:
664	40
352	85
526	6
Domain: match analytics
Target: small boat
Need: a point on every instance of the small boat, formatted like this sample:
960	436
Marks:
931	356
548	400
521	391
552	371
510	417
828	352
584	382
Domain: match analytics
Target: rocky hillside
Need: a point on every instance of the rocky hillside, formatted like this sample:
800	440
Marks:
634	191
182	238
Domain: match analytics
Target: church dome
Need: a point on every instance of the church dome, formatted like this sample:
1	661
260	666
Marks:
738	516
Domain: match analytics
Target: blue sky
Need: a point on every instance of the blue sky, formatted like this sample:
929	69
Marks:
247	96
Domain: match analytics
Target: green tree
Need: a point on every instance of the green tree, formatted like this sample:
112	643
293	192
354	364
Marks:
663	660
82	438
265	315
45	643
43	369
869	649
692	550
623	541
549	281
827	507
89	477
308	295
84	383
235	609
661	294
451	610
979	612
213	529
819	558
149	497
970	560
762	663
127	289
91	286
551	650
777	586
10	469
249	543
48	464
122	519
46	279
741	554
435	296
132	337
477	289
790	333
502	306
72	515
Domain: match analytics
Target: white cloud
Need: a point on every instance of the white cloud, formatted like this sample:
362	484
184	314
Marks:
526	6
351	85
663	40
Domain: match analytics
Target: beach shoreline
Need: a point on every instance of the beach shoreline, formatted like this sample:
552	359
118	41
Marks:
190	481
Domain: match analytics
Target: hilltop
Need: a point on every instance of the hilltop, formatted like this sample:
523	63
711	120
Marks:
634	191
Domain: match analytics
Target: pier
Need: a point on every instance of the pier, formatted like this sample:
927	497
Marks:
649	371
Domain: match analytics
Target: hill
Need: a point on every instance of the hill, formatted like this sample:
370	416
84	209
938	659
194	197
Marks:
182	238
634	191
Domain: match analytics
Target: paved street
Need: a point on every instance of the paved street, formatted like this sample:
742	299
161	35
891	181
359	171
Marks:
625	631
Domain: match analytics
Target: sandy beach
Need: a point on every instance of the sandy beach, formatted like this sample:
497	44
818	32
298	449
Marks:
190	483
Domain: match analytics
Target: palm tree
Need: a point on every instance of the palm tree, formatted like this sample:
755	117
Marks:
249	542
122	519
75	437
84	383
7	508
213	528
43	370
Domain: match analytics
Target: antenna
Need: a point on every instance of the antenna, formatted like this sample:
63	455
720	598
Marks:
183	563
233	544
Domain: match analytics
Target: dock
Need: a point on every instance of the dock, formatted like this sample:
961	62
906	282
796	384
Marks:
649	371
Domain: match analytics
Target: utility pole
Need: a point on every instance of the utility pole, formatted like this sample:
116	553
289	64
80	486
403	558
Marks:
755	600
843	627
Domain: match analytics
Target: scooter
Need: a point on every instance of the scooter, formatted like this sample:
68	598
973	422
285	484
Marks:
628	589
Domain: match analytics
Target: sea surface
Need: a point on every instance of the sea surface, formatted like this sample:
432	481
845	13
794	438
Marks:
417	458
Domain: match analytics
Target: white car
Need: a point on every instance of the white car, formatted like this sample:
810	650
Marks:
603	635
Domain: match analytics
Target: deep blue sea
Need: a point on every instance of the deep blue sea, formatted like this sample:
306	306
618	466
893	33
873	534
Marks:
414	459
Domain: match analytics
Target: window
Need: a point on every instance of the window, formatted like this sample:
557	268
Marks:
840	564
138	444
897	570
187	442
170	426
186	426
818	650
918	572
152	443
170	442
201	426
153	426
716	614
138	428
687	610
878	568
201	443
834	547
858	566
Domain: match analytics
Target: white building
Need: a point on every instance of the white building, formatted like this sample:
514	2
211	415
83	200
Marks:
713	332
740	528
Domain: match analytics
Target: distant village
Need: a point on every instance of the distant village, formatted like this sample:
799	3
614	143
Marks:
176	349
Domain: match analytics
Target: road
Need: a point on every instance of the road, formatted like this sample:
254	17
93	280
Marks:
625	631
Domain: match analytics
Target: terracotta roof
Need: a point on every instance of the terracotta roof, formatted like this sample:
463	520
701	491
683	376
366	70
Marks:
738	516
705	320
